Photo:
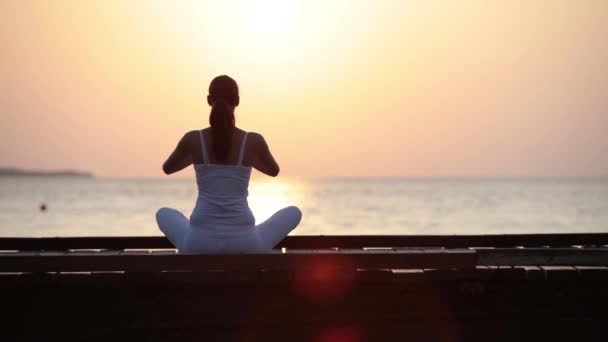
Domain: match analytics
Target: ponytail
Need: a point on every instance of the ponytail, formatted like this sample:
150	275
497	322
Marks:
222	126
223	97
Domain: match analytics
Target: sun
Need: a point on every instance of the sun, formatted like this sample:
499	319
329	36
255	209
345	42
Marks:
237	30
269	17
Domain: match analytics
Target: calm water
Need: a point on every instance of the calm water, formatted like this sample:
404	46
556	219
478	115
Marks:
79	206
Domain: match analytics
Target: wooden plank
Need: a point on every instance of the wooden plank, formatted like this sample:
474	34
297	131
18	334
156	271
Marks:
321	241
52	253
379	249
410	259
408	275
453	274
560	272
355	258
310	251
448	241
135	252
543	256
510	273
374	275
155	278
593	272
434	274
533	272
77	252
163	251
484	272
408	248
109	252
19	262
189	277
358	258
107	276
13	253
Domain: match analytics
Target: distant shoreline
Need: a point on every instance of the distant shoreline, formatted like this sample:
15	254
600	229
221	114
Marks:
44	173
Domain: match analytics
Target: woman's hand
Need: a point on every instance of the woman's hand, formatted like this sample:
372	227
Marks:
264	161
181	157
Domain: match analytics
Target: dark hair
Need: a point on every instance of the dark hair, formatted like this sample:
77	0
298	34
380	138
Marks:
223	97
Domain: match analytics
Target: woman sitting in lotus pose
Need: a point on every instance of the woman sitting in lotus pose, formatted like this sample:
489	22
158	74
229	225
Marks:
223	156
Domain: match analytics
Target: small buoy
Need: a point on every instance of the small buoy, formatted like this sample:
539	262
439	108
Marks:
43	207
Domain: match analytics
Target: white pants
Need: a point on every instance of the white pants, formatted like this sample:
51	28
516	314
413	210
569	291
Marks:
261	238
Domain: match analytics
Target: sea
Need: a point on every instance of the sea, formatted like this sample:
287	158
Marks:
79	206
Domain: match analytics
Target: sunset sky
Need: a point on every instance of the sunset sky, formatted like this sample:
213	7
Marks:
419	88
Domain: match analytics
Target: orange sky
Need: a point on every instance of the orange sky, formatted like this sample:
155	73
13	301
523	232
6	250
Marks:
339	88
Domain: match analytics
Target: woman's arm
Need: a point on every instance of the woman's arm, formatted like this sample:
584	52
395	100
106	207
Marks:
264	161
180	157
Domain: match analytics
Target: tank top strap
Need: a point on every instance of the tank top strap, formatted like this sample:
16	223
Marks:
242	151
205	155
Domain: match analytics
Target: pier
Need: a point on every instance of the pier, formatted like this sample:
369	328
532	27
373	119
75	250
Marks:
531	287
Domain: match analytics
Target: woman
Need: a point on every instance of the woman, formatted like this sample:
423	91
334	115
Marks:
223	156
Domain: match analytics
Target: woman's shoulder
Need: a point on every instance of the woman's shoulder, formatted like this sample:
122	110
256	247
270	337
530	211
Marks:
192	135
254	136
255	140
196	133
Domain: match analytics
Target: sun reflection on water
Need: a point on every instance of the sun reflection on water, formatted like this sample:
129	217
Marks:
266	197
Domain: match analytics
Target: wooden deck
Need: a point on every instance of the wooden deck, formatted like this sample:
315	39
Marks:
311	288
322	241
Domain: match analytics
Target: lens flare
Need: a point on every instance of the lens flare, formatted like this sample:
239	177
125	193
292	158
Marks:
339	334
324	279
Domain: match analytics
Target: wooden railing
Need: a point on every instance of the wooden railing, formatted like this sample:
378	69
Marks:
321	241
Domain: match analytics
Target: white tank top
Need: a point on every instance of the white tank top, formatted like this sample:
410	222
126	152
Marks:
222	205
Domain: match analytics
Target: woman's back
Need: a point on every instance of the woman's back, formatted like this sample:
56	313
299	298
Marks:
222	191
256	153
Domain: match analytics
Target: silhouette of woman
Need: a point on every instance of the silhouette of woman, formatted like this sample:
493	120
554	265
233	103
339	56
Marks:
223	156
